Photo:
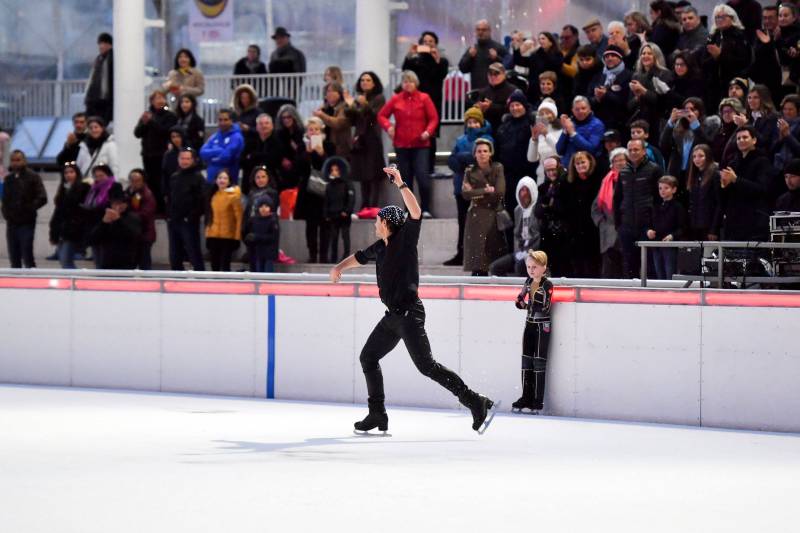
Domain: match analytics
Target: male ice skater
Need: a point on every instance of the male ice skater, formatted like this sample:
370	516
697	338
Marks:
397	272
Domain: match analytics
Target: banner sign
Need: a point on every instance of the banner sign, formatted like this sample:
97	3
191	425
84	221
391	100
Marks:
210	20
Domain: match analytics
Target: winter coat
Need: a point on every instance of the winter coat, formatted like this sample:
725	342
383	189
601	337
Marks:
684	87
766	68
430	73
155	133
461	155
414	113
23	195
588	136
262	235
498	96
287	60
143	203
483	242
734	59
194	129
222	150
340	195
672	146
543	147
788	201
68	222
254	197
478	66
665	35
552	209
339	128
669	218
634	195
511	147
186	195
723	144
743	210
169	163
766	131
309	206
788	39
268	152
692	40
191	82
225	220
613	108
100	87
69	152
703	200
119	241
607	230
526	228
651	106
97	200
789	148
246	116
241	68
583	232
584	78
105	155
366	155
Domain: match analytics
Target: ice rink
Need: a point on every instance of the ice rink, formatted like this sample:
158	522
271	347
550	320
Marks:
75	460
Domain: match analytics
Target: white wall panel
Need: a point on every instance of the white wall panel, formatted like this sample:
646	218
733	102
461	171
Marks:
314	348
751	368
207	344
638	362
36	336
560	391
116	340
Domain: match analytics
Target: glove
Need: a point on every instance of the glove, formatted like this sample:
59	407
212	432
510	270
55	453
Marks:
520	303
519	256
249	238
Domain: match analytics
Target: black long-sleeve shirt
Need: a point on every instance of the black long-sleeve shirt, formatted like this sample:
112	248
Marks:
669	218
396	266
539	301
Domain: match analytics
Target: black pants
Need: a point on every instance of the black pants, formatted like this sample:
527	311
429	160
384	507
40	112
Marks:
152	171
369	192
535	344
463	206
316	240
410	327
220	252
335	227
19	239
184	241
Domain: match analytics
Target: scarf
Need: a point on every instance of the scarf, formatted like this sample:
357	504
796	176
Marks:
605	197
611	74
98	194
185	71
94	144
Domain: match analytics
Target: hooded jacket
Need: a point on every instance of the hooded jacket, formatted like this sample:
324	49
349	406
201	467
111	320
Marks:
340	195
262	234
246	115
222	150
526	225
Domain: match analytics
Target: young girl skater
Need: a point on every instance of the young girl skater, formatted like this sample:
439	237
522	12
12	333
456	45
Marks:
538	291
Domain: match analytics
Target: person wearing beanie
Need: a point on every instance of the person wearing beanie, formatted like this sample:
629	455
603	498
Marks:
609	90
511	148
544	136
790	200
99	97
722	145
262	235
492	100
397	272
461	156
738	88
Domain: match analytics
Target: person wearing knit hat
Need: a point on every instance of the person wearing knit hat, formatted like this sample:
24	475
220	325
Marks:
519	97
790	200
544	136
474	113
734	103
609	90
549	105
397	272
512	149
738	88
461	156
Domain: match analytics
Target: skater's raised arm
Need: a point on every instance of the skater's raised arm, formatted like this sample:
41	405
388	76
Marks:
346	264
414	210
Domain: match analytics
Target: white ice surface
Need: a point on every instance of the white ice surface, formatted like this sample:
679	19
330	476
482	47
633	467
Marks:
84	461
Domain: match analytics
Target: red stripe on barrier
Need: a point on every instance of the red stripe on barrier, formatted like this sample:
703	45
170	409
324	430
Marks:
564	294
508	294
307	289
634	296
210	287
433	292
368	291
35	283
752	300
117	285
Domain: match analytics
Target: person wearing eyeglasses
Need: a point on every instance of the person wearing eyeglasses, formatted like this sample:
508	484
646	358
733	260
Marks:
479	56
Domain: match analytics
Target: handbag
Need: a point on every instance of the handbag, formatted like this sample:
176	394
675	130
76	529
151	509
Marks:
317	185
504	220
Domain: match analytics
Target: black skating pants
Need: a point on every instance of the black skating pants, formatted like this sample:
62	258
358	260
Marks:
410	328
535	344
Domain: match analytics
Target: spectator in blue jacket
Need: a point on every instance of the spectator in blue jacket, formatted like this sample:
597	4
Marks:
222	150
582	131
475	127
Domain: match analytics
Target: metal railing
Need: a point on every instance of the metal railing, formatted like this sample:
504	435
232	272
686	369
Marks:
720	246
51	98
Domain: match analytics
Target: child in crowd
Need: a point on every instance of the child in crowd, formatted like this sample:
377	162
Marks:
536	297
337	208
223	222
262	235
640	129
526	231
588	66
669	219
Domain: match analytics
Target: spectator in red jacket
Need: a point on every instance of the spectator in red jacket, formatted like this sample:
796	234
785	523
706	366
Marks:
416	121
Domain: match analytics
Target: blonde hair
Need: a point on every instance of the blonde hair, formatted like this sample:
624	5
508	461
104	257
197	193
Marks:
538	257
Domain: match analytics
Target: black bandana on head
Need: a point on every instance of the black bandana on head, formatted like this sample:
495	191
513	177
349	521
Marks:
393	214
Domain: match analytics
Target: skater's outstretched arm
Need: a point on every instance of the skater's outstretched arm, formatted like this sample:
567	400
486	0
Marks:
414	210
347	263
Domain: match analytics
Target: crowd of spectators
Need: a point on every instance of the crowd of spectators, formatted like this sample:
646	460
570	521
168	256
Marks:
659	126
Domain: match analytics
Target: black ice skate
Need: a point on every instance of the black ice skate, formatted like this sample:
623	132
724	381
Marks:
376	418
483	410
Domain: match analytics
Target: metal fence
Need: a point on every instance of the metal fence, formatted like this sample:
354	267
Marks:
50	98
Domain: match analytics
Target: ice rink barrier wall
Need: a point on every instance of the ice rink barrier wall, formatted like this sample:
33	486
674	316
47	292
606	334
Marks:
725	359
